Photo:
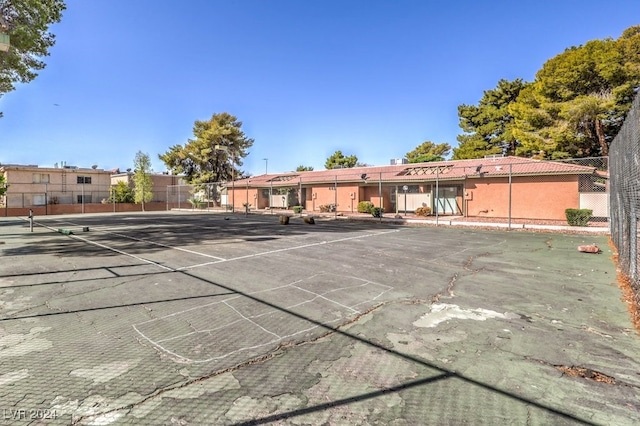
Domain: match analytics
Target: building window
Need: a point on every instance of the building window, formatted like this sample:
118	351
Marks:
411	189
84	199
84	179
40	178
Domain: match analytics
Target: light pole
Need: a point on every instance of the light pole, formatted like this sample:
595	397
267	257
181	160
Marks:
266	163
405	188
233	175
83	195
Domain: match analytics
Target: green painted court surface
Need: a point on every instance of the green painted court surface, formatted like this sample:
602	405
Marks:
187	318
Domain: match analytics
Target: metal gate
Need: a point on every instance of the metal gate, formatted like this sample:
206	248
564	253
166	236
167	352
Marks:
446	200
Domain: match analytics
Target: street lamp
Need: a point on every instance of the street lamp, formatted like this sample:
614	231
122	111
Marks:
266	163
233	174
405	188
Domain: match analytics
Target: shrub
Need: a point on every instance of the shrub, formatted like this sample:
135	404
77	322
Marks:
365	206
578	217
325	208
377	211
423	211
196	203
297	209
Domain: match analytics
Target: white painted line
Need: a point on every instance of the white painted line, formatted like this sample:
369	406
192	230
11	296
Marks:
250	318
108	232
142	259
123	253
253	322
208	330
327	299
265	253
216	358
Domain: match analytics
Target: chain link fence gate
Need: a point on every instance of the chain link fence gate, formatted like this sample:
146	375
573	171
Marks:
624	155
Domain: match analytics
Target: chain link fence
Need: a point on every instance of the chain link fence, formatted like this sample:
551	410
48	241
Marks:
48	198
625	196
510	190
208	196
498	189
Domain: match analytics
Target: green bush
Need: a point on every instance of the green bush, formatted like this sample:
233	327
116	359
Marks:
423	211
578	217
297	209
365	206
196	203
377	211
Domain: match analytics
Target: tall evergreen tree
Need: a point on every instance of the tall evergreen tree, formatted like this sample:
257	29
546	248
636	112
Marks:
339	160
428	151
488	125
579	99
214	154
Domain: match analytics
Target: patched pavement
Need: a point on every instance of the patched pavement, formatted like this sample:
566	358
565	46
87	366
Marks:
251	322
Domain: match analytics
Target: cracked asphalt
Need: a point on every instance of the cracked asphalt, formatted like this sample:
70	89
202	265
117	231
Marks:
195	319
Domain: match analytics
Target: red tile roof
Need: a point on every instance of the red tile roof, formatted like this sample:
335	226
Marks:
442	170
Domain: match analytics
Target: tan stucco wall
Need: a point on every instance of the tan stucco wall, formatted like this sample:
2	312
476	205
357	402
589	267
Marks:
537	197
62	185
22	180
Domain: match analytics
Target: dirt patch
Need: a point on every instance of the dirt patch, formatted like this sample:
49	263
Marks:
586	373
629	296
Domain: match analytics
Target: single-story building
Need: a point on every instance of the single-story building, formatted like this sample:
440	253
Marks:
498	187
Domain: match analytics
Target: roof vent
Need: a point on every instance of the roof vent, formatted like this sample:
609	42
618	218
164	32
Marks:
395	161
494	156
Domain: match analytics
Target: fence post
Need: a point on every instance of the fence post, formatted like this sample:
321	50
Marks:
335	198
510	188
435	205
380	194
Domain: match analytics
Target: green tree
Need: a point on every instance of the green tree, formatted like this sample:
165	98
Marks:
428	151
302	168
488	125
3	185
214	154
579	99
27	24
142	182
337	160
121	193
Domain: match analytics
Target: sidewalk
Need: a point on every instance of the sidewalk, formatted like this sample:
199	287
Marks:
594	228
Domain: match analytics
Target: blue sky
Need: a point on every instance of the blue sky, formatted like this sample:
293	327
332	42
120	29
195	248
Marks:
372	78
